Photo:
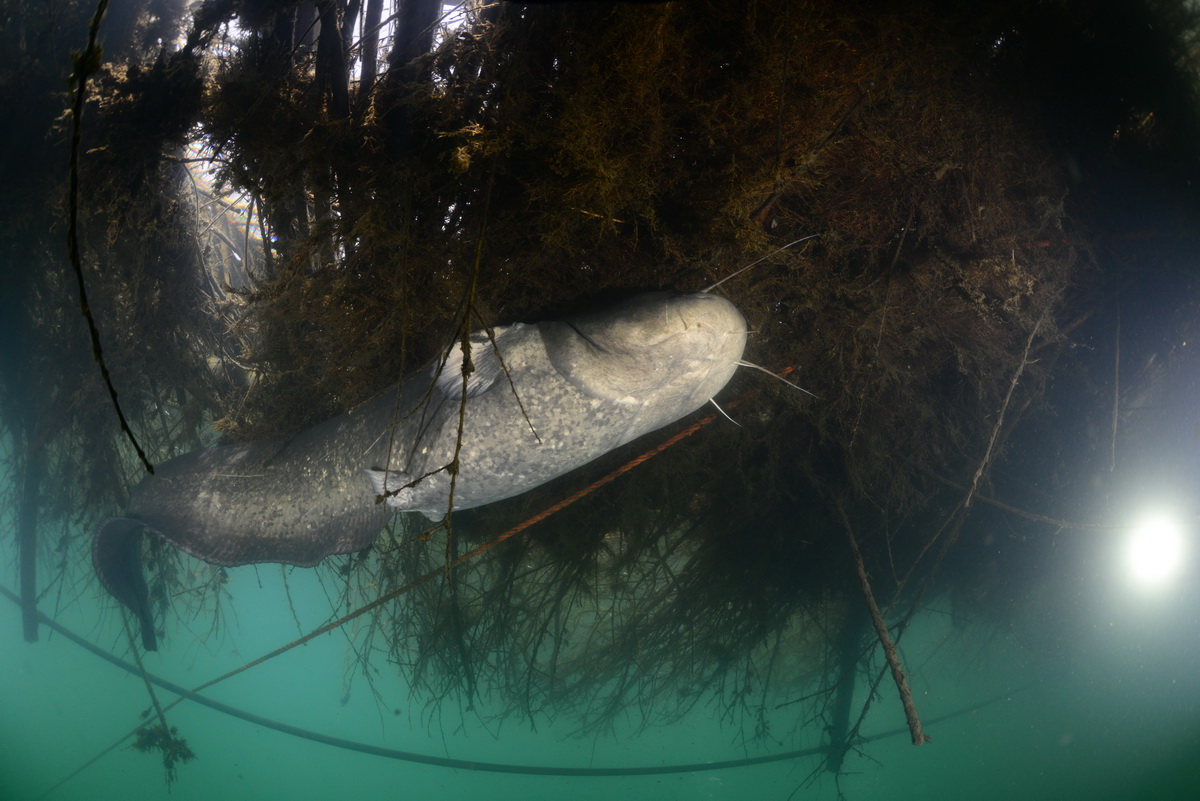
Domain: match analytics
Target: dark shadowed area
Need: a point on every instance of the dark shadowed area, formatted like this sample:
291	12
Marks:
285	206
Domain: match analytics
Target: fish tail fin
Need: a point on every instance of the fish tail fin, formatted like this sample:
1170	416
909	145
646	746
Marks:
116	556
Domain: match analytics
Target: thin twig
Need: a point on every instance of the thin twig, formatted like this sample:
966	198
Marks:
1034	516
1116	404
86	63
919	737
1012	386
137	657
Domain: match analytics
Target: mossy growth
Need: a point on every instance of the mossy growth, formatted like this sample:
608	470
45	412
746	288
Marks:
174	749
532	161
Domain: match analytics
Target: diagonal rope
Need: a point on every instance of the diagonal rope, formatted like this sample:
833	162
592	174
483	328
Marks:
449	762
487	546
194	694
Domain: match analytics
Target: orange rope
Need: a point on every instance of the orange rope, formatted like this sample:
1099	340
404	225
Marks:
487	546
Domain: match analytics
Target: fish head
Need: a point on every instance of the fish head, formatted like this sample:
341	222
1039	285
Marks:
666	351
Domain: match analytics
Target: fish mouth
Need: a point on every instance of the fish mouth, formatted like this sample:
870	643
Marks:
654	348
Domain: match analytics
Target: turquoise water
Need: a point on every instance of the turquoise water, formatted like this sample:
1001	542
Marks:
1119	720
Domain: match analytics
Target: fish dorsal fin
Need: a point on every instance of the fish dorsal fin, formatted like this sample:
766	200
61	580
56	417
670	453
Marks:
488	367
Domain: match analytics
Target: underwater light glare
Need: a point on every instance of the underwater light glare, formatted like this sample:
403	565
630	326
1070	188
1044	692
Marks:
1154	552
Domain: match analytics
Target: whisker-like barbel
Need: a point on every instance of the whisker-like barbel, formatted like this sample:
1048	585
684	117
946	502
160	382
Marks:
760	368
760	260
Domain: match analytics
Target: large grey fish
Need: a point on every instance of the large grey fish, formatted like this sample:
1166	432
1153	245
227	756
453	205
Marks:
542	399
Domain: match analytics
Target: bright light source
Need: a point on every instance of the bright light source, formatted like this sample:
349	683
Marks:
1154	552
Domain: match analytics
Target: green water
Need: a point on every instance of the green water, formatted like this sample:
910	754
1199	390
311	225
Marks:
1119	720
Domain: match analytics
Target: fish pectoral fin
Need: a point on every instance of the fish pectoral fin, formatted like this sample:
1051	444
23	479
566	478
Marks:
393	486
406	493
485	363
117	559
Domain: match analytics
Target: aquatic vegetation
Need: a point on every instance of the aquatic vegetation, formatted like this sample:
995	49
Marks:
279	219
174	749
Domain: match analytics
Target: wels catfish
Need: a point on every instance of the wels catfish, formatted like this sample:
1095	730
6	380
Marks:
541	400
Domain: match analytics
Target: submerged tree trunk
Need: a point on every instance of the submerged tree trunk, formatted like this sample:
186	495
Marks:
848	652
27	530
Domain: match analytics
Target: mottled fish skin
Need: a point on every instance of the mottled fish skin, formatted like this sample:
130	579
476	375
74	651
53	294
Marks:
585	385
